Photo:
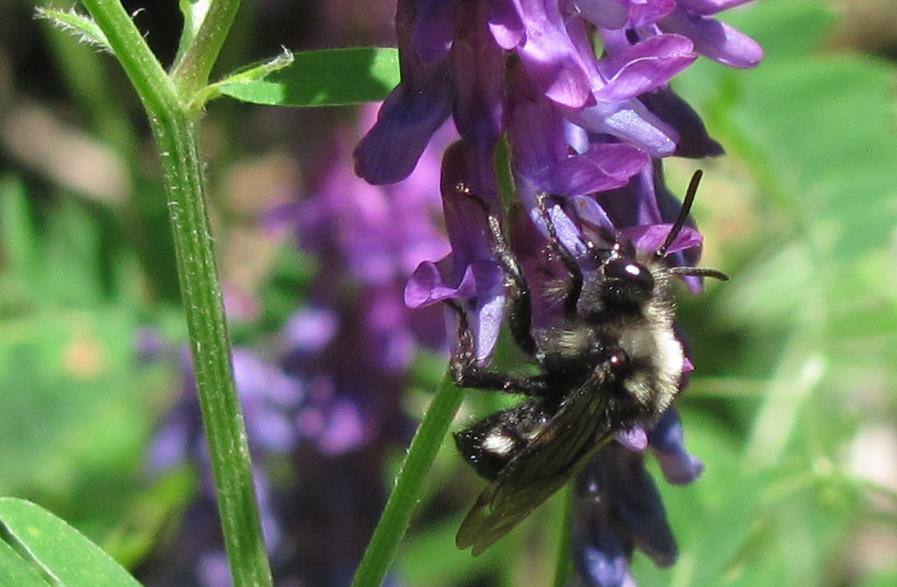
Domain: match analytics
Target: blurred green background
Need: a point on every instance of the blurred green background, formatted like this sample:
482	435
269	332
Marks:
793	406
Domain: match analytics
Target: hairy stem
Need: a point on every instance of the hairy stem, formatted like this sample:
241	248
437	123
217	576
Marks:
175	136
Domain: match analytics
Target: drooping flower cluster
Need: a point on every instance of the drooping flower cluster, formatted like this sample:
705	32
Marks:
590	129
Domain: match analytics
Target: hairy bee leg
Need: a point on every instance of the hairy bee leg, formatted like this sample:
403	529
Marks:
571	297
466	373
520	319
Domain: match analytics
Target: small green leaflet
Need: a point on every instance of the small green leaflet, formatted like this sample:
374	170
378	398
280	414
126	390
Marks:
49	547
330	77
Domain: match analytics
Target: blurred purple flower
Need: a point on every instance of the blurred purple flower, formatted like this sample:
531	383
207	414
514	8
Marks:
617	507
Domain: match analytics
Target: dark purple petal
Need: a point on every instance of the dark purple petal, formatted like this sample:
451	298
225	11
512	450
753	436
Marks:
708	7
693	138
668	445
636	505
505	23
407	120
409	116
714	39
434	29
478	67
644	67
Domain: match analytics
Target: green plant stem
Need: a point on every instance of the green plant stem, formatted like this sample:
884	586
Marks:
565	539
381	550
192	71
201	294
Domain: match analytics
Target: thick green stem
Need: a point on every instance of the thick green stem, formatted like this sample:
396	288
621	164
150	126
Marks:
396	516
201	293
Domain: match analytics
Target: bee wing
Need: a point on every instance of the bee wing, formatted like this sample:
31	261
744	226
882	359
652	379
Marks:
573	435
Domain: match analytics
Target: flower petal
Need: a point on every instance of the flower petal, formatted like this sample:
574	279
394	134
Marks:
552	62
434	29
708	7
630	121
693	138
714	39
644	67
668	445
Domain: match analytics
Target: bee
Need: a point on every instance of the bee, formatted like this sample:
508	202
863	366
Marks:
611	363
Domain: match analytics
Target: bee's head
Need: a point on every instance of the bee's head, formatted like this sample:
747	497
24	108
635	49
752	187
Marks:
627	283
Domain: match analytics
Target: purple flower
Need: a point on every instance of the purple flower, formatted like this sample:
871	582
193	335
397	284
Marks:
588	130
617	507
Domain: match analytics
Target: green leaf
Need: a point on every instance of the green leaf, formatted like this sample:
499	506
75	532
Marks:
14	570
82	27
330	77
58	550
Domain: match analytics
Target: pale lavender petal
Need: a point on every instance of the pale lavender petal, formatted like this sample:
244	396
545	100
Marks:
344	430
635	438
631	121
648	238
714	39
429	284
603	563
595	219
644	67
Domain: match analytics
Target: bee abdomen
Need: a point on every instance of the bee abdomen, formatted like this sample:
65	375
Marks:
489	445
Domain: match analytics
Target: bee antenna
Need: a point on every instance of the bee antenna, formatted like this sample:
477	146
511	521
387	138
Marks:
683	213
700	272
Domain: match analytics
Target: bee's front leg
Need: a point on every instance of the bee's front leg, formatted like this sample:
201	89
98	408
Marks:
467	373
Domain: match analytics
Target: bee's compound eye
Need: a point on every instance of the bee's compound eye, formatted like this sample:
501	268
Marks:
630	272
